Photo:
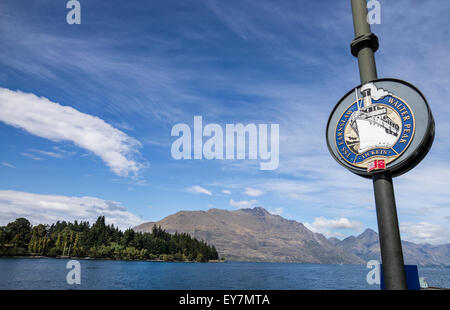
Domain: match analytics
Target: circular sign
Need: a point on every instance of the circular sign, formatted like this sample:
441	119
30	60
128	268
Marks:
385	124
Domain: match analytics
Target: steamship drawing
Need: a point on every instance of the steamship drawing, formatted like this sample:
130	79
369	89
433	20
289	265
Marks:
371	122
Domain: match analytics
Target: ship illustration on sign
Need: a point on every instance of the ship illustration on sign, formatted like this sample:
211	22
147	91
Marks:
375	125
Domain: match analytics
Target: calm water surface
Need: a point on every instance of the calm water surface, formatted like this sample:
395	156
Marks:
49	273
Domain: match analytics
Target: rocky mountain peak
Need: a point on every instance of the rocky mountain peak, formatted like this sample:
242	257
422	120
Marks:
368	237
257	211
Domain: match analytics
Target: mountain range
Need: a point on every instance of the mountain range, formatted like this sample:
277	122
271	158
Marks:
367	247
256	235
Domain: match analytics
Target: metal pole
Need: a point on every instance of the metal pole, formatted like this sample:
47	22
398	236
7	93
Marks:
365	43
364	46
389	234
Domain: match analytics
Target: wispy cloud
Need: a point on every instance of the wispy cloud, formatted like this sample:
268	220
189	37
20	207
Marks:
56	153
32	156
226	192
424	232
276	211
253	192
328	227
321	222
44	118
48	209
199	190
242	203
8	165
47	153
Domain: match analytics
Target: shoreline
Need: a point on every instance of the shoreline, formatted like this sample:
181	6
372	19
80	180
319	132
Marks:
112	259
210	261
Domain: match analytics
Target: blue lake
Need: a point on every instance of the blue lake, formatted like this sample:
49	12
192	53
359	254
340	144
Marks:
48	273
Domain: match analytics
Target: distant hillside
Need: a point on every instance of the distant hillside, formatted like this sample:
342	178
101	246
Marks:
366	246
255	235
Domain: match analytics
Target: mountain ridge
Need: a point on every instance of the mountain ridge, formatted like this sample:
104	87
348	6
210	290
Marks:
254	234
366	246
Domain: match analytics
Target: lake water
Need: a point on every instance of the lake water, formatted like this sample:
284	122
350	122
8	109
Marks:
49	273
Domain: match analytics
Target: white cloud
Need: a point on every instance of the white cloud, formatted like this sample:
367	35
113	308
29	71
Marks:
334	234
324	225
44	118
47	209
276	211
32	156
424	232
253	192
47	153
8	165
242	203
199	190
226	192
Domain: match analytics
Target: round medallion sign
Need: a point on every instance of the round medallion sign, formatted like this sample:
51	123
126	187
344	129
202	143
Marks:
385	124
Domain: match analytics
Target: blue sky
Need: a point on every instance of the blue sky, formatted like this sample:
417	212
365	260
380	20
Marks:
86	111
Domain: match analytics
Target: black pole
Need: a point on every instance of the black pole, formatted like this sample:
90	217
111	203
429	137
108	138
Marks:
364	46
389	234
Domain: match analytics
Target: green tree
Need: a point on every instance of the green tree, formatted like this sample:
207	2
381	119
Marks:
20	232
201	258
2	237
100	240
128	237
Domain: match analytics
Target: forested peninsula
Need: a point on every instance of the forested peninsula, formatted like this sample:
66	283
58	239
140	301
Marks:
101	241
